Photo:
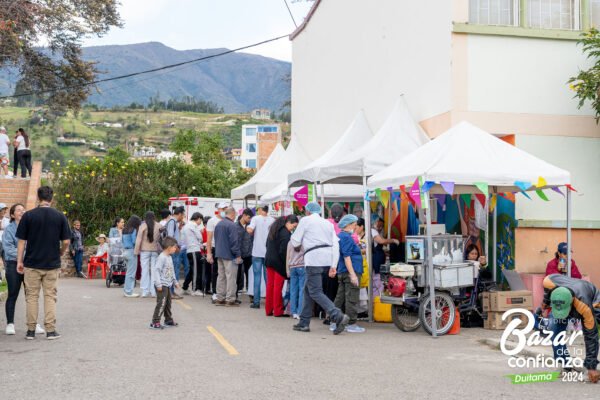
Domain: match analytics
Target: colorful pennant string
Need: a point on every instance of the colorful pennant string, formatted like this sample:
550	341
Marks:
448	187
541	194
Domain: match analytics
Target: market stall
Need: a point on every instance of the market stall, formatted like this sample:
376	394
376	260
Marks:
468	161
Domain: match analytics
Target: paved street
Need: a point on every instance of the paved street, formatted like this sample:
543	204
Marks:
108	352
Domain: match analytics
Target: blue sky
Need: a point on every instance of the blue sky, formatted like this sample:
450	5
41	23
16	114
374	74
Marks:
200	24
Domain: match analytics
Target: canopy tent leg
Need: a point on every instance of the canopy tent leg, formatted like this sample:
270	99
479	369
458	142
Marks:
322	200
430	267
495	240
568	231
367	218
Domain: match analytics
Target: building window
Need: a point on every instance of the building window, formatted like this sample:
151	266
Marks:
554	14
250	131
595	13
493	12
267	129
251	148
250	163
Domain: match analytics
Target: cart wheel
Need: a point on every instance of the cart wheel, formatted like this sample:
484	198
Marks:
108	279
445	312
405	318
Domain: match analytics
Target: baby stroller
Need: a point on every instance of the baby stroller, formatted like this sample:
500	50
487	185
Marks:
117	267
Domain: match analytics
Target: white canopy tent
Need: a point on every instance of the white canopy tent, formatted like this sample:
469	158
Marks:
398	136
356	136
466	155
275	171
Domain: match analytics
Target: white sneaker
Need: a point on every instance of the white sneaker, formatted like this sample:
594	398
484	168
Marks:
332	326
10	329
188	292
132	295
214	296
198	293
355	329
39	330
295	316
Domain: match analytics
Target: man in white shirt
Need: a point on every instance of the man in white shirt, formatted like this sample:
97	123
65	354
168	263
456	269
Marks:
212	268
4	160
321	253
259	227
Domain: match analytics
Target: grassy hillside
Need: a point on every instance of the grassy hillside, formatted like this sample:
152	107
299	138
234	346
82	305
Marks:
148	128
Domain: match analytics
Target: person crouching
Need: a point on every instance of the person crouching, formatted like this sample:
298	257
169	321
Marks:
163	276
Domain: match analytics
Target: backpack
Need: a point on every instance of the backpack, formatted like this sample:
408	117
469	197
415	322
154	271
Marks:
164	232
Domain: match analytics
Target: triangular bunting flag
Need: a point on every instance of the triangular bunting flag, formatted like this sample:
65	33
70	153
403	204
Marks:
523	185
415	193
367	195
466	198
385	197
557	190
395	196
526	195
541	194
448	187
481	198
441	199
378	193
426	186
482	186
493	202
301	195
571	188
541	182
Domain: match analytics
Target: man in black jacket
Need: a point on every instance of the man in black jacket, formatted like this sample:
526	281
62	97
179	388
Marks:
229	256
246	242
579	299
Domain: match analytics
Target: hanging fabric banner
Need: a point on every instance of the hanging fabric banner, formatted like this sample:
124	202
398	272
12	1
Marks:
482	186
541	182
448	187
481	198
493	202
415	193
427	186
523	185
541	194
441	199
557	190
571	188
466	198
301	195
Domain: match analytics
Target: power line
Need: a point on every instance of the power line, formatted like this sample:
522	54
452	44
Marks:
146	71
290	11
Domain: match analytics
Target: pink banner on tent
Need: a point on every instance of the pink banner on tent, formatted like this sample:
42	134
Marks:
301	195
415	193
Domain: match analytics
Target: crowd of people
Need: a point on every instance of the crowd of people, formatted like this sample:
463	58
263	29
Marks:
21	143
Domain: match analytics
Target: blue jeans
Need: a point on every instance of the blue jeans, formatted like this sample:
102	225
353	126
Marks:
297	278
131	260
258	264
148	259
313	293
557	326
78	260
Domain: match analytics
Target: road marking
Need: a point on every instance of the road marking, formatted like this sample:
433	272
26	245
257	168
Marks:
184	305
226	345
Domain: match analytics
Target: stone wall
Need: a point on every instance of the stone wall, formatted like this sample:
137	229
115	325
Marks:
67	268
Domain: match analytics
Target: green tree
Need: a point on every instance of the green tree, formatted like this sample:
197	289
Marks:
586	84
61	24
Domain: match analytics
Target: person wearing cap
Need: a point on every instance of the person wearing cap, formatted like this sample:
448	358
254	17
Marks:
558	265
103	246
191	234
571	298
213	268
349	270
77	248
259	228
4	160
321	253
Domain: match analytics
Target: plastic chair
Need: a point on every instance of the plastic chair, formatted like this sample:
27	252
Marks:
97	262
